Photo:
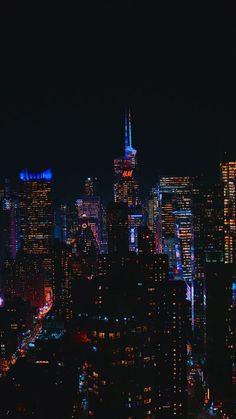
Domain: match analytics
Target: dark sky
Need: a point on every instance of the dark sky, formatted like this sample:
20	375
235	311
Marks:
64	86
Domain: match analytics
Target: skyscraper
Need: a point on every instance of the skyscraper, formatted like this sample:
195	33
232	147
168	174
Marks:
207	200
117	223
175	229
174	223
90	186
220	351
137	336
91	206
126	186
174	205
25	277
172	330
36	212
146	241
152	214
8	223
228	175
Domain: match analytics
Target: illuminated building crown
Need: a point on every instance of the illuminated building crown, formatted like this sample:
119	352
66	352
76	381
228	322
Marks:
129	150
25	175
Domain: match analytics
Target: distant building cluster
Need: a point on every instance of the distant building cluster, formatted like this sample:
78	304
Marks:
139	294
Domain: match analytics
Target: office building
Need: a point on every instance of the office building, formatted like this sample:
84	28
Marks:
135	308
172	330
8	223
36	212
117	224
90	188
228	174
146	240
220	349
175	230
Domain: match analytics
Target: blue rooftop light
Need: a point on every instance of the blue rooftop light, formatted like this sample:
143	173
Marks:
25	175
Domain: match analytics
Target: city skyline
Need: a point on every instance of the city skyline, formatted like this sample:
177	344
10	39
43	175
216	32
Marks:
118	214
68	185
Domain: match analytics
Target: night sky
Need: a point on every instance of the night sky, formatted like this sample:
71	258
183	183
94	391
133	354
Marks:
64	88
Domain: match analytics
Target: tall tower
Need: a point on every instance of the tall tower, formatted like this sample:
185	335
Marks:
36	213
175	230
8	223
220	327
228	175
90	186
126	186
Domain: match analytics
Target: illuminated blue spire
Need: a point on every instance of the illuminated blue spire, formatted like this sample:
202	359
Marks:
126	131
128	135
130	131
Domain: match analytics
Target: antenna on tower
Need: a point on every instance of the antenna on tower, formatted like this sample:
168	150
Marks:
126	131
130	130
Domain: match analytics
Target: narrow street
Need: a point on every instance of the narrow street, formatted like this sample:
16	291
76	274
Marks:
29	337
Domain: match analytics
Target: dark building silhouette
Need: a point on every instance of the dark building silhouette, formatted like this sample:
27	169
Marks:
25	277
146	240
8	223
117	224
207	199
172	333
136	321
219	352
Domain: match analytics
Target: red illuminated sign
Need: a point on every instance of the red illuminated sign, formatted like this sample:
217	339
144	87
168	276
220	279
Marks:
127	173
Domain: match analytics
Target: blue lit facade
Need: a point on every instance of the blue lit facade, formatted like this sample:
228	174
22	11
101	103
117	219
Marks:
175	230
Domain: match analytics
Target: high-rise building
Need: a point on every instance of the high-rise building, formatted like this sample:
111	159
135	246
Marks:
126	186
36	212
25	277
207	206
8	224
152	214
172	330
146	240
228	175
117	223
66	221
220	349
173	200
86	241
92	211
70	217
137	336
90	186
175	229
62	257
208	209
